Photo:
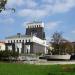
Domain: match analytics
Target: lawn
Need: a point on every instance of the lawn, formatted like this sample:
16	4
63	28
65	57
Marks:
26	69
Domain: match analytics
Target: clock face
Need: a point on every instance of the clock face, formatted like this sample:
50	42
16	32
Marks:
2	4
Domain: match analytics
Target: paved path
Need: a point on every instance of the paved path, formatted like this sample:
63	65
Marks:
55	62
44	62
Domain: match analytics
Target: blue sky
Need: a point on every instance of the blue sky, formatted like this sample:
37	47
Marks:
58	15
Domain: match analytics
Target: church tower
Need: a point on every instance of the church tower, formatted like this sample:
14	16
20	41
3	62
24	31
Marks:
36	29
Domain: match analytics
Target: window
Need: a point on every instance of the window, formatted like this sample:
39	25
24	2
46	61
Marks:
37	25
8	41
0	47
14	41
17	41
26	40
23	41
28	26
11	41
20	41
29	40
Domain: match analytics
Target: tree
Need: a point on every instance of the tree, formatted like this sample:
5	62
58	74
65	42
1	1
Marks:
8	55
2	6
56	42
61	45
69	47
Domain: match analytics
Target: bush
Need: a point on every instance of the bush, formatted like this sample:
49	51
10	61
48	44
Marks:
7	55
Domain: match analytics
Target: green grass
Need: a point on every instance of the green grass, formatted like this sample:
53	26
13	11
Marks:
26	69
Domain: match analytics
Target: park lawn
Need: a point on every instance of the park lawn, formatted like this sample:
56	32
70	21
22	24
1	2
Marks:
26	69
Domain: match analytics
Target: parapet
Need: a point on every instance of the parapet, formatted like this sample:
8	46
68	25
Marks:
35	25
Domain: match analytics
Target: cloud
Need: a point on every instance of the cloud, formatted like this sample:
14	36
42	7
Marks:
73	32
63	6
20	3
8	21
52	25
12	3
43	8
40	9
58	6
30	3
33	13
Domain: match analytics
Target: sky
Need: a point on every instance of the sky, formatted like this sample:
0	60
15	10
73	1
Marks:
57	15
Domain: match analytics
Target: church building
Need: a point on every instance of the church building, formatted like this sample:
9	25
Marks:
32	42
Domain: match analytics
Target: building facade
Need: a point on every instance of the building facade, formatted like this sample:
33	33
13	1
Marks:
32	42
2	46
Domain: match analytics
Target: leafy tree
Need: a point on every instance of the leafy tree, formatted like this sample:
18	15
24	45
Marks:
60	45
2	4
7	55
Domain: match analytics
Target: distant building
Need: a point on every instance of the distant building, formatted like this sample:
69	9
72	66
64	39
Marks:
2	46
32	42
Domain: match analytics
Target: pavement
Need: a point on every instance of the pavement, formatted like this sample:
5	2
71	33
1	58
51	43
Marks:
55	62
44	62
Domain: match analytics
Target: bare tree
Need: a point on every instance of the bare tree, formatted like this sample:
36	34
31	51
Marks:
57	40
57	37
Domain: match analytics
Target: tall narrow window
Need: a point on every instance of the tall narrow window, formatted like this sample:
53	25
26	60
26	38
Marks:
23	41
17	41
14	41
0	47
26	40
20	41
11	41
29	40
8	41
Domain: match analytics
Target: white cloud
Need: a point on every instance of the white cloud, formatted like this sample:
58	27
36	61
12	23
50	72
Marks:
52	25
73	32
33	13
63	6
39	9
20	3
8	21
30	3
12	3
35	9
59	6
